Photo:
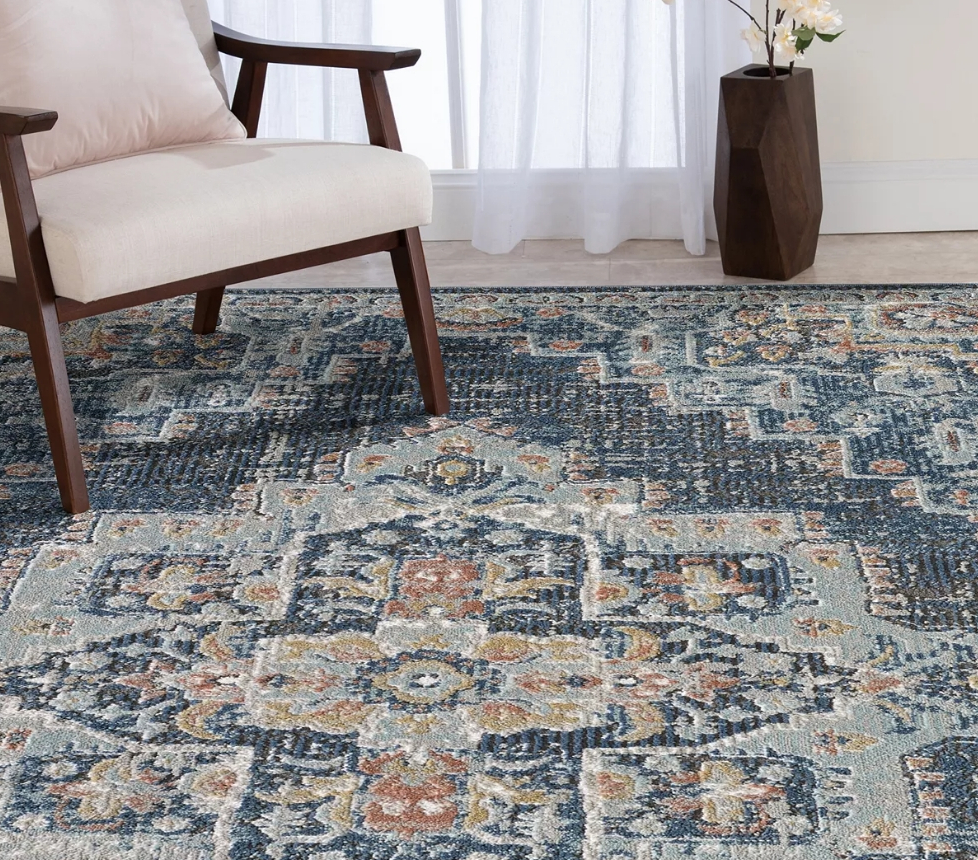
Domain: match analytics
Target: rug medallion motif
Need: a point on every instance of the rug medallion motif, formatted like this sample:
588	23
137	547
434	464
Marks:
684	574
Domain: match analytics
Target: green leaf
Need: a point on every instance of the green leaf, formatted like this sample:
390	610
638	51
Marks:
803	44
829	37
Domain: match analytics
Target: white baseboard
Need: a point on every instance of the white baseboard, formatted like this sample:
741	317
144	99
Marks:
454	212
860	197
900	196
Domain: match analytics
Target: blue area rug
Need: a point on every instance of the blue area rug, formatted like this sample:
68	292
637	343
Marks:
686	574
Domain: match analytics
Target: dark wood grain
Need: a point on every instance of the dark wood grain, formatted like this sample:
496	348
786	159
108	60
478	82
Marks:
207	310
248	95
39	316
10	310
410	270
411	274
17	120
373	57
768	191
379	111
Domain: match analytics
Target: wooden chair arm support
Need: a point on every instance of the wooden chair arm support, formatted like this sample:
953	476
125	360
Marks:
366	57
17	120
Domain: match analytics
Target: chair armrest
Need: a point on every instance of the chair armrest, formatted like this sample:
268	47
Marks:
16	120
365	57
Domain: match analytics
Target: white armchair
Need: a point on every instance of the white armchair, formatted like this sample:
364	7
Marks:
123	209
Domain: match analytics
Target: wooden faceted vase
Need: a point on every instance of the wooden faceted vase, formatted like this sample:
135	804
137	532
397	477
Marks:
768	192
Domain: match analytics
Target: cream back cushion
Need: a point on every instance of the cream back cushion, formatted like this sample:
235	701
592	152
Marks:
200	22
125	76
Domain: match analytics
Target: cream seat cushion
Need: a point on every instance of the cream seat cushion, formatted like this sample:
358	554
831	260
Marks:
159	217
125	76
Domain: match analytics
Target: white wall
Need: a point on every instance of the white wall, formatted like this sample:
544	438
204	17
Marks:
894	88
898	123
898	117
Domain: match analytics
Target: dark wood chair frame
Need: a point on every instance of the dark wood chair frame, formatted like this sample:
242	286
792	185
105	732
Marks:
29	303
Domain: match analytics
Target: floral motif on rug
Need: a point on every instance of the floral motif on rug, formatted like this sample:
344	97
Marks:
684	574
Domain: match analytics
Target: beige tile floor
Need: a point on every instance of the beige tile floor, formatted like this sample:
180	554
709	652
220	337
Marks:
908	258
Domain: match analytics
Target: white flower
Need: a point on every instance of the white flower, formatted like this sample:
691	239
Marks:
754	37
785	43
817	15
827	20
799	19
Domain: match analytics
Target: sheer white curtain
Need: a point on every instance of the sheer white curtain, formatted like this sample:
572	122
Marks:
325	104
302	101
586	118
598	119
708	45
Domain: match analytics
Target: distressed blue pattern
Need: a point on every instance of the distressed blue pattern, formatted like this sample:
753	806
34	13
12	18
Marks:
683	574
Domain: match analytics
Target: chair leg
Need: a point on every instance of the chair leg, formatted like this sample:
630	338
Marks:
48	356
411	274
207	310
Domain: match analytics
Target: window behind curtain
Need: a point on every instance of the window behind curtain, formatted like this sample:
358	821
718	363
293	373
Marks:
436	102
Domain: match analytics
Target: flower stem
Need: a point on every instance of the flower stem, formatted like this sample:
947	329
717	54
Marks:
748	14
770	44
766	29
